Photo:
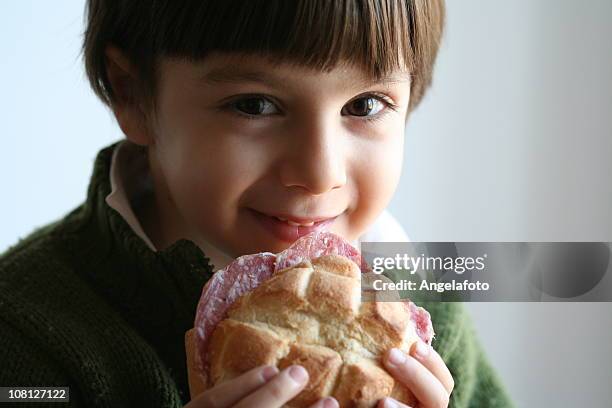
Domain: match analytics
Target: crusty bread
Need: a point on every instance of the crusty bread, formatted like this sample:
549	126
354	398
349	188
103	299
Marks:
196	381
311	315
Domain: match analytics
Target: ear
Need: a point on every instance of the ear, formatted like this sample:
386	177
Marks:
127	107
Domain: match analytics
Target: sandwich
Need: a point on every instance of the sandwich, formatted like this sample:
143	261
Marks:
302	306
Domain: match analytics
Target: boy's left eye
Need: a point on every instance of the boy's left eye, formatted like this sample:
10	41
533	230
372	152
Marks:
364	106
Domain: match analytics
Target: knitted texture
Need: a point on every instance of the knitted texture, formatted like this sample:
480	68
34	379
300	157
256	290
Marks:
84	303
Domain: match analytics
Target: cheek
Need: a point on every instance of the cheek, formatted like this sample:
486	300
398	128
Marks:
208	171
376	176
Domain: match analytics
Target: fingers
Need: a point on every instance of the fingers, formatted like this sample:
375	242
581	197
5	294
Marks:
328	402
232	391
430	358
279	390
428	390
391	403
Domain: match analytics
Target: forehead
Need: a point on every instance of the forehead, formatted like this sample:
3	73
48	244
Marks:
233	68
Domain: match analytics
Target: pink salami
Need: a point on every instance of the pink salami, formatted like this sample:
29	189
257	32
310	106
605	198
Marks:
422	322
314	245
224	288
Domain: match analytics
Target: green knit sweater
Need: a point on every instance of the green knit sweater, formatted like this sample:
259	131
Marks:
85	303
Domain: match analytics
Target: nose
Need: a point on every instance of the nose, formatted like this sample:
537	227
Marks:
315	158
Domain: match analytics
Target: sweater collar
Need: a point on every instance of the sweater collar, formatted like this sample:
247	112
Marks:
132	184
167	283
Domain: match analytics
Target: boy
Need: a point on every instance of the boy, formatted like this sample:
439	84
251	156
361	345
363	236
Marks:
247	124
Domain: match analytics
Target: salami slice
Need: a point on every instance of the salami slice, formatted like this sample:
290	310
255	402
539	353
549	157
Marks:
422	322
223	289
314	245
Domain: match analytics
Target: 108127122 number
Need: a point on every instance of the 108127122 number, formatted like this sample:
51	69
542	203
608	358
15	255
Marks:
41	394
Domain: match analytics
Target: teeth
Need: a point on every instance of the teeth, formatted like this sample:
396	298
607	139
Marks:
296	224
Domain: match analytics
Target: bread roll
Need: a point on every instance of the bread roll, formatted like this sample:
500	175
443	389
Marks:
311	315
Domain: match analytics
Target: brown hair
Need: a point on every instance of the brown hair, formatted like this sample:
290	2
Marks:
315	33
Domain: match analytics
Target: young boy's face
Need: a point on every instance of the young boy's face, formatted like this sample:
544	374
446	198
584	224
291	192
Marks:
239	144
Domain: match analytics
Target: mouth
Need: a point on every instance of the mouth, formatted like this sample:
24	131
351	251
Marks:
289	228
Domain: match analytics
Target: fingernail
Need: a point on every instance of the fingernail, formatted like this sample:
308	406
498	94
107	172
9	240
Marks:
298	374
396	357
269	372
421	350
391	403
330	402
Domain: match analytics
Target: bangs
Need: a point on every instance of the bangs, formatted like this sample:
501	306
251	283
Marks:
377	36
314	33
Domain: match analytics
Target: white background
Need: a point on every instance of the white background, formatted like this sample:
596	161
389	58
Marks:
513	143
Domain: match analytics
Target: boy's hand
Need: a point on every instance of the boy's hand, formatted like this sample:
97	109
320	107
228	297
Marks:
262	387
424	373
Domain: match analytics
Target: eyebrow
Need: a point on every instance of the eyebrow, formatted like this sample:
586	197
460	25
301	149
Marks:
234	74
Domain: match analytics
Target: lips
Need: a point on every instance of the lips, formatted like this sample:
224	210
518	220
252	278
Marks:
289	228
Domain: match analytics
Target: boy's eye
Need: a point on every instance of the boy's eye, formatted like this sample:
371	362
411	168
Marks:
365	106
255	105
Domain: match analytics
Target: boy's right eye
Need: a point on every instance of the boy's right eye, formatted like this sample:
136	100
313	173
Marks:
254	106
